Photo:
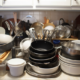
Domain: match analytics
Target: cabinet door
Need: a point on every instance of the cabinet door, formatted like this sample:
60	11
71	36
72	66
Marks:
75	2
1	2
17	2
53	2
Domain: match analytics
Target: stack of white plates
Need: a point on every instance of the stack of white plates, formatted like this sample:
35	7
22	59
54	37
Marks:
69	66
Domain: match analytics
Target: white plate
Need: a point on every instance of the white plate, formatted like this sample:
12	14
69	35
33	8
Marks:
2	30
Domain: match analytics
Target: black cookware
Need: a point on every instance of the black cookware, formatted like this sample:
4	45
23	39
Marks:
43	59
41	54
45	64
42	46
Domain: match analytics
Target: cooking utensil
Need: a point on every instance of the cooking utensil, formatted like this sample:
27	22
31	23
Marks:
17	28
71	69
64	23
62	31
49	26
69	48
44	64
16	52
41	45
76	44
66	55
69	60
43	59
6	42
44	70
41	54
38	28
31	72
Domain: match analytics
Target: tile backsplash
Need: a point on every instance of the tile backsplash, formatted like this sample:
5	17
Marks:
53	16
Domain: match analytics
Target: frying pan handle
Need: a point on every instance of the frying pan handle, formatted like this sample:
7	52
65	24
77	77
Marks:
62	20
60	47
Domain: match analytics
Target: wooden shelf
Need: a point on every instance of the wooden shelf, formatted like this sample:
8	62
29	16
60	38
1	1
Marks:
65	39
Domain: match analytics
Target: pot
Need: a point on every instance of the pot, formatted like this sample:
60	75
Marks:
70	48
6	42
42	46
44	64
44	70
41	54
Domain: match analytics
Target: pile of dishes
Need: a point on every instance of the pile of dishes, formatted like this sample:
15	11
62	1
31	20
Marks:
69	58
42	57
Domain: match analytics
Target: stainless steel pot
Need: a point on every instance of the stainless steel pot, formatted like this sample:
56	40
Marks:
70	48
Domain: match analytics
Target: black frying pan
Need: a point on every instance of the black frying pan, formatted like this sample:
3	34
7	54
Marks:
41	54
42	46
45	64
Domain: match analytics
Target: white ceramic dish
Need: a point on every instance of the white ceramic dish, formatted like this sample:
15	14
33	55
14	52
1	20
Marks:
16	66
69	60
2	30
44	70
69	68
25	44
5	38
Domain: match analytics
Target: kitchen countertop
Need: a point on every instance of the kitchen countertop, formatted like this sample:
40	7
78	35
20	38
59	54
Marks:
25	76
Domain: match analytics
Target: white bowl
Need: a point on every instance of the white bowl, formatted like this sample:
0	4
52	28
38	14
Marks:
70	68
25	44
16	66
5	38
69	60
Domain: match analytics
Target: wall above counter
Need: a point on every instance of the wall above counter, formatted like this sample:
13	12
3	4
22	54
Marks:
39	5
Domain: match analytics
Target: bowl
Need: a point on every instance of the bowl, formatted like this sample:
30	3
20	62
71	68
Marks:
16	66
69	68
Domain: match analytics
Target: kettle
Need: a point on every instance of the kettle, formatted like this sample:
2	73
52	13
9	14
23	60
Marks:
64	23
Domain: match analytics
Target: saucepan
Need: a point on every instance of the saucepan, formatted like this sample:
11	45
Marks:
6	42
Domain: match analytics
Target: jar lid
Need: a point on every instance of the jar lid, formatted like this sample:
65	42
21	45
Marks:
56	41
16	62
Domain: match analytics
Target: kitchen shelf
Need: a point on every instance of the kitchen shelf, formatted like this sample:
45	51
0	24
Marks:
65	39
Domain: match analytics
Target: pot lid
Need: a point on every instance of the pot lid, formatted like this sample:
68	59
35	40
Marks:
16	62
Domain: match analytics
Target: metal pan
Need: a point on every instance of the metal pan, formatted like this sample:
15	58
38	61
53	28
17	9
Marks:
70	48
66	55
